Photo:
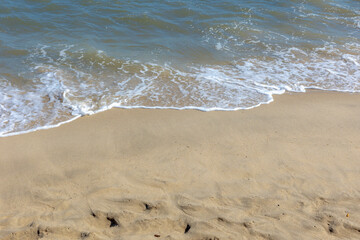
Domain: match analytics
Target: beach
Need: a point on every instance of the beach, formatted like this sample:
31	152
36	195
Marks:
284	170
179	119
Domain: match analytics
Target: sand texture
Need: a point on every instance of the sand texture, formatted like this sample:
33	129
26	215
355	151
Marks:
286	170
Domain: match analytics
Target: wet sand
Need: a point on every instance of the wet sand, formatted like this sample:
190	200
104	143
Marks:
286	170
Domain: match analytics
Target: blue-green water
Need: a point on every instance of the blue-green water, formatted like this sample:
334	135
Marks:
60	59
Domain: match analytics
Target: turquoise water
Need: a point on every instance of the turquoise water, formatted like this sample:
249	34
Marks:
63	59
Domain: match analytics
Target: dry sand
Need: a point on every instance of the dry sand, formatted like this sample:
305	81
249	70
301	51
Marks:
287	170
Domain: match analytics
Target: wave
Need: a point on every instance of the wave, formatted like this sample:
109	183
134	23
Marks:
69	82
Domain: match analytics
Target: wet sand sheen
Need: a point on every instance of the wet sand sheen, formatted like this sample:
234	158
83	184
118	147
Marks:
287	170
65	59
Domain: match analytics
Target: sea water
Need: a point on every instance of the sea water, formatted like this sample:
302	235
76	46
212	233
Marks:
61	59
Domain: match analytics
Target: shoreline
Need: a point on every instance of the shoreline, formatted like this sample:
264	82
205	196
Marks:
116	106
284	170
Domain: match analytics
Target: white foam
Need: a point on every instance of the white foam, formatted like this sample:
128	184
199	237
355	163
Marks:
61	93
218	46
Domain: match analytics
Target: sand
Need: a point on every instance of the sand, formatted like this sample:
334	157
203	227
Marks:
286	170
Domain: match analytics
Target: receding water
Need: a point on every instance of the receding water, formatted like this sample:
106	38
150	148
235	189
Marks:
60	59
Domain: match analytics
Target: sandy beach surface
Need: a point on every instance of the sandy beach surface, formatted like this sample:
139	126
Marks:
286	170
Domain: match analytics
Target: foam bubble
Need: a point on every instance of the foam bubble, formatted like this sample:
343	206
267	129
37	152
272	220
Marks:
70	82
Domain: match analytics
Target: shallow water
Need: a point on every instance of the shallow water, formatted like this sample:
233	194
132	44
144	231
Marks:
63	59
